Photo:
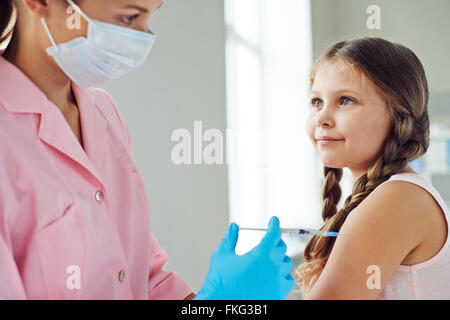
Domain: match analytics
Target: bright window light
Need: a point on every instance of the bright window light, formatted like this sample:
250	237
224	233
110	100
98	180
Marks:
274	170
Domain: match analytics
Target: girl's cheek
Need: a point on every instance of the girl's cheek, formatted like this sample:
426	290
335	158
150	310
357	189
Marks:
352	127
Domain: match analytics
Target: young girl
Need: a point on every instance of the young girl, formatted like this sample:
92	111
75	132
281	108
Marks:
368	113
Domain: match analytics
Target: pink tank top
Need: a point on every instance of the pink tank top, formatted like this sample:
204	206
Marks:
429	279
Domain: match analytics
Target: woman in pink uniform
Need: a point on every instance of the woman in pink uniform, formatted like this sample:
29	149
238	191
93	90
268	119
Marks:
74	216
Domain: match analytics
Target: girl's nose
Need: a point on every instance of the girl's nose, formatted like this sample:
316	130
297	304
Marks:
324	118
328	123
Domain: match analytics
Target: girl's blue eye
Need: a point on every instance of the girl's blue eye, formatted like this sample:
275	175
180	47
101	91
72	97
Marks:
316	102
347	100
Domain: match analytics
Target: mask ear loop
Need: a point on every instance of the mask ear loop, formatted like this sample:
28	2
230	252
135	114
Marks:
49	34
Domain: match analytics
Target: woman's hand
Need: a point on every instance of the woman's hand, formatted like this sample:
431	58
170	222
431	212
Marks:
261	274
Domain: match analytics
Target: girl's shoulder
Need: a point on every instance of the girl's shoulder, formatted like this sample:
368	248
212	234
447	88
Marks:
414	193
397	208
423	208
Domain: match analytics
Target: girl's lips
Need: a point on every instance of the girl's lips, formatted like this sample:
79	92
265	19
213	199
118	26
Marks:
327	141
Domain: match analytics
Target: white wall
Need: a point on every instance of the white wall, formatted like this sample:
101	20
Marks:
420	25
183	81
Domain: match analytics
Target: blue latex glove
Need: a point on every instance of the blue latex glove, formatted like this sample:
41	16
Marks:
261	274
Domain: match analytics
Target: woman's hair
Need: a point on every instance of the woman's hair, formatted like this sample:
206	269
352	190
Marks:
6	16
400	78
8	19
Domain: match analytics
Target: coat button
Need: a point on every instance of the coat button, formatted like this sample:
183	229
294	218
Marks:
122	275
99	196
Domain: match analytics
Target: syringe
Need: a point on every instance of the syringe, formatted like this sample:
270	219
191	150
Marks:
322	233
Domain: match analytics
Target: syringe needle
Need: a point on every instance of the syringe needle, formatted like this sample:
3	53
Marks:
323	233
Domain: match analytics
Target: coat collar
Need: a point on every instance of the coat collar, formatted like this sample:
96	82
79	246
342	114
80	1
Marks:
19	95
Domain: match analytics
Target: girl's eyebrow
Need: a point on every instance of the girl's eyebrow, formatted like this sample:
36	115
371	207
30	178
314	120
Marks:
347	90
337	91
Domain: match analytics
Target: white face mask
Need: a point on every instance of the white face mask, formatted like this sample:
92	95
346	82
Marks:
108	52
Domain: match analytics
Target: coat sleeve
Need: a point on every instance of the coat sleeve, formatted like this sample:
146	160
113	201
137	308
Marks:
164	285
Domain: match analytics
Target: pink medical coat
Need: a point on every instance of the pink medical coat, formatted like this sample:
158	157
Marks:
74	222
